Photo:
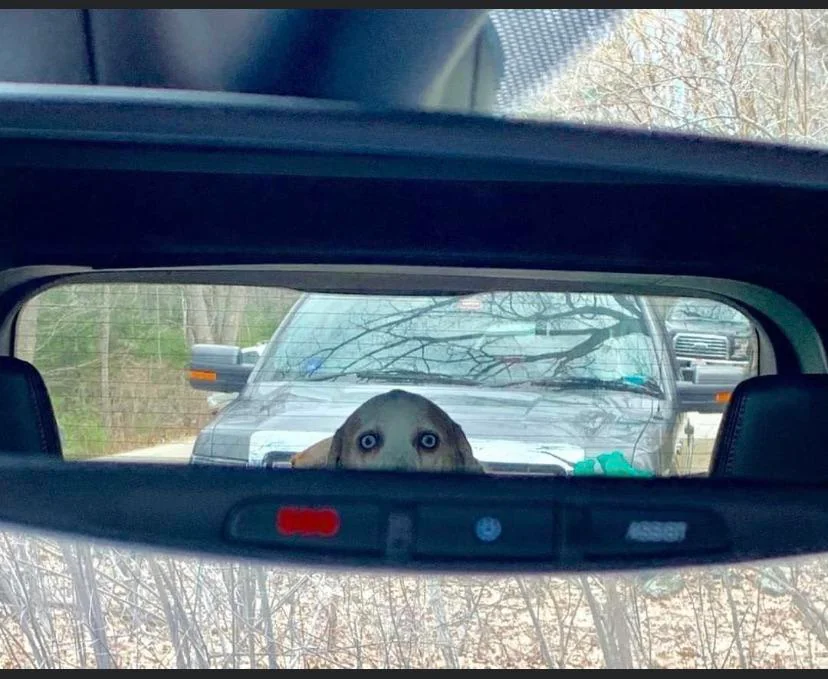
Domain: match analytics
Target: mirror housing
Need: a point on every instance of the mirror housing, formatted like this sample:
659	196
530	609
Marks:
709	389
416	522
218	368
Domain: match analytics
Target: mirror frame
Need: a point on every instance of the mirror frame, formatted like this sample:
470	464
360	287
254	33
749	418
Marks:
192	509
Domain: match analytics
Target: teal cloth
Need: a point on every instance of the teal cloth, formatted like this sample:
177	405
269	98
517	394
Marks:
610	464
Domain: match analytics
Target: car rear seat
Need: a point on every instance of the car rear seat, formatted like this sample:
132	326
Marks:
27	421
775	429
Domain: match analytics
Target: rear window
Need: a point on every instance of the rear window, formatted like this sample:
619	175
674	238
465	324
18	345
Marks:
540	382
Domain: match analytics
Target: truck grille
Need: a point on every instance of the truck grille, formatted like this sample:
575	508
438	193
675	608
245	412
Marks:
700	346
519	468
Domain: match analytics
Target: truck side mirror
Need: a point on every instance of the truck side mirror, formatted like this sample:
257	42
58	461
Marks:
218	368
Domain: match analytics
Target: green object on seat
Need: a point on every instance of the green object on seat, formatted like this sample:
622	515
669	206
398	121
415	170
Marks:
610	464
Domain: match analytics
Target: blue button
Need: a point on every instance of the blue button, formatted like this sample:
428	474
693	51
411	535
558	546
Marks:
499	532
487	529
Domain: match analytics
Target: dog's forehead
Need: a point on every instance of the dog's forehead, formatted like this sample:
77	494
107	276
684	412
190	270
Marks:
396	406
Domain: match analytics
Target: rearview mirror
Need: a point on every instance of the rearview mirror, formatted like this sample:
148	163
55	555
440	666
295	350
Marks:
531	424
418	521
219	368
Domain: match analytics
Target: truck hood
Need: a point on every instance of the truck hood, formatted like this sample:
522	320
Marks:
505	426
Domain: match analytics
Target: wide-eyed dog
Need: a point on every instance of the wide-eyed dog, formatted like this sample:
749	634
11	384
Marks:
396	431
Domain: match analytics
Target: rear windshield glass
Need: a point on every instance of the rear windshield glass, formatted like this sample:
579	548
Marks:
563	382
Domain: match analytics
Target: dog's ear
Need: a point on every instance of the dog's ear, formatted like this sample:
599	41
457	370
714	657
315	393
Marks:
334	459
313	457
464	458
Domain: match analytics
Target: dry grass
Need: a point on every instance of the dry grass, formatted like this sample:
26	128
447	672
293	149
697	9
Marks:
66	604
153	405
149	405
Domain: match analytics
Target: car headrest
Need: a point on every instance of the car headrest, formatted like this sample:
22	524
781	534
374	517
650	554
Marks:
774	428
27	421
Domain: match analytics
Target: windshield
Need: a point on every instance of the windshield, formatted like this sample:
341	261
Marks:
493	339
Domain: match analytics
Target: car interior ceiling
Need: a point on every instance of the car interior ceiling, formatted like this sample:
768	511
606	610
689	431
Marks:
373	57
149	185
315	54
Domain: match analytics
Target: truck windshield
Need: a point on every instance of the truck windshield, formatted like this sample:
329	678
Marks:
493	339
689	309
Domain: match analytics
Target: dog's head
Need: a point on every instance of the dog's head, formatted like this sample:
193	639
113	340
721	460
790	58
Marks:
395	431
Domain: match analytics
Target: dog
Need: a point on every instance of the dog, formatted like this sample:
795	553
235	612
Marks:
395	431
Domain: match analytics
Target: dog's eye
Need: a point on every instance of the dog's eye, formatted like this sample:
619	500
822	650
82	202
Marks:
428	440
368	442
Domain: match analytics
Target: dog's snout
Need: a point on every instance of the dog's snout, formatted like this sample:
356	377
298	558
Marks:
401	459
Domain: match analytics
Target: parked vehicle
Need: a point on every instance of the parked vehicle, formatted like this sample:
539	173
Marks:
539	381
706	332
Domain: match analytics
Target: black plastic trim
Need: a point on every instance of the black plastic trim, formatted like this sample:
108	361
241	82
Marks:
185	508
227	121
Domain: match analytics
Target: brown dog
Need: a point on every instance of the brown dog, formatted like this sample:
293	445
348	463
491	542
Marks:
394	431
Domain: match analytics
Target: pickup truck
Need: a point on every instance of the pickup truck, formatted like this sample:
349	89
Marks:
706	332
538	381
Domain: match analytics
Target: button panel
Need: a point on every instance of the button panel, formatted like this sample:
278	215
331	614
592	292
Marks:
340	526
478	533
452	531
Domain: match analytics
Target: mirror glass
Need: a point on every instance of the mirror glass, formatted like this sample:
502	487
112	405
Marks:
501	382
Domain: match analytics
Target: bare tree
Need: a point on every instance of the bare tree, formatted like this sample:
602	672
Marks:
756	73
233	311
214	313
103	351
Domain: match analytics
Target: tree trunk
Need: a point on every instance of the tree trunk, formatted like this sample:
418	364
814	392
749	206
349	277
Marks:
189	337
217	305
198	315
233	313
87	595
103	350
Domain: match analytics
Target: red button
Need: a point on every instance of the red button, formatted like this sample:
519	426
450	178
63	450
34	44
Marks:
322	522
